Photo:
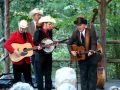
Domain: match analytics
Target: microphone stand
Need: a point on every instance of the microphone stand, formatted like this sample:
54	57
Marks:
76	66
76	63
76	69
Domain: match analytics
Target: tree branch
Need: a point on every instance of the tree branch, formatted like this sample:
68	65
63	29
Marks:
108	1
98	1
10	1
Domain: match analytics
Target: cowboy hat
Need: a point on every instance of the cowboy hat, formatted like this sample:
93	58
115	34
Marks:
23	24
34	11
46	19
80	20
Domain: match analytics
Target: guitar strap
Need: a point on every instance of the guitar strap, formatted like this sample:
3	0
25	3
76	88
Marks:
24	37
87	39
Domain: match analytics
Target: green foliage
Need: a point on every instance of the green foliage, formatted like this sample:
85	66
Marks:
113	32
1	67
111	71
65	12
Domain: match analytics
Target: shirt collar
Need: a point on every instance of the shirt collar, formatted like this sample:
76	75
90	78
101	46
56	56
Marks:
83	32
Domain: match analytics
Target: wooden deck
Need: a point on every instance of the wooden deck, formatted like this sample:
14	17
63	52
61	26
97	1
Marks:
107	86
111	83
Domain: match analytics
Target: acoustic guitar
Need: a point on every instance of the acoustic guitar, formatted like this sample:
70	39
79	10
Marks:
26	50
81	53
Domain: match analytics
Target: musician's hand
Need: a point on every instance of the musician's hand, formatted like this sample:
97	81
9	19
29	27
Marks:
90	52
73	53
39	47
17	53
56	43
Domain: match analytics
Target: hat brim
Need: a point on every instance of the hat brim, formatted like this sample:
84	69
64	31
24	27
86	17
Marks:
35	11
47	19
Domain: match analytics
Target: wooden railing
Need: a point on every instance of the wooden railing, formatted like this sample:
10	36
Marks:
66	62
3	57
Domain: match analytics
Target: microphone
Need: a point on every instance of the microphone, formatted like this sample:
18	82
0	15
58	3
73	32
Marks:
56	28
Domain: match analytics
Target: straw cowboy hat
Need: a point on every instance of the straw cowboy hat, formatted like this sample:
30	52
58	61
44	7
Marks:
34	11
47	19
23	24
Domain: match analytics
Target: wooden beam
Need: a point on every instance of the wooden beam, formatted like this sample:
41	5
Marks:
3	58
112	60
113	42
7	31
2	40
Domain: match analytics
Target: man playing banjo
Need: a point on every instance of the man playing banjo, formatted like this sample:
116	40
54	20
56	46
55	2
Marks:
43	60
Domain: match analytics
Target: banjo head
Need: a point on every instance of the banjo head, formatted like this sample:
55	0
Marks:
48	42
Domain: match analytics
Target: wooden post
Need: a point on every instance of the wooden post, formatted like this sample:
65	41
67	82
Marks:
7	31
102	13
2	17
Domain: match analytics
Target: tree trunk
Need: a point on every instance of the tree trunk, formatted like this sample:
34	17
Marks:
102	15
7	32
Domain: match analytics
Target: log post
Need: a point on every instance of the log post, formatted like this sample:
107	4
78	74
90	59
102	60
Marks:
6	31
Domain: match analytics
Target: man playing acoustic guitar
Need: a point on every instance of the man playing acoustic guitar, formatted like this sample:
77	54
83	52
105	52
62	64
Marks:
85	39
21	36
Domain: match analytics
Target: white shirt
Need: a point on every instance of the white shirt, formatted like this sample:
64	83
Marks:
34	23
83	32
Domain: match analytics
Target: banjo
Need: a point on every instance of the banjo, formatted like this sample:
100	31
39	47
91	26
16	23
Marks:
48	45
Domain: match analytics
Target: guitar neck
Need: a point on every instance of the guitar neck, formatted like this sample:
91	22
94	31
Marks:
48	45
92	51
34	48
62	41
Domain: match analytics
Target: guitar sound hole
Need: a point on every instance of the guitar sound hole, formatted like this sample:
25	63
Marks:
24	52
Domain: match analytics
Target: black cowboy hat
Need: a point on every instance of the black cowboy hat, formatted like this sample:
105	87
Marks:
80	20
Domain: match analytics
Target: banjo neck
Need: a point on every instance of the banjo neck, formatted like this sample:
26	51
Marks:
48	45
